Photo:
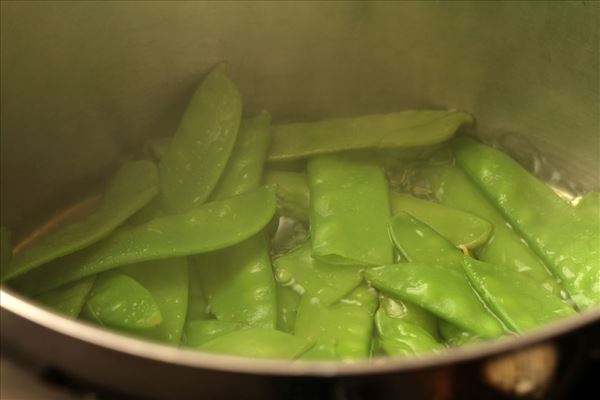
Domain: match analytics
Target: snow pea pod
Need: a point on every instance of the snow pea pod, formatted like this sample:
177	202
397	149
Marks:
349	210
455	336
400	129
419	243
505	247
134	185
202	144
167	282
198	308
258	343
288	302
213	226
238	283
293	196
69	299
120	302
589	206
326	282
199	332
157	148
244	169
402	338
424	285
461	228
410	313
516	299
343	330
564	239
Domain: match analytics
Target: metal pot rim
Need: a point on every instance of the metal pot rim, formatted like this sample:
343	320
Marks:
93	335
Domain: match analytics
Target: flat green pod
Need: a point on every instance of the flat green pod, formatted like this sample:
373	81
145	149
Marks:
68	300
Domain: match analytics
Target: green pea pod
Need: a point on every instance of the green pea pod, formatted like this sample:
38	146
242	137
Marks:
505	247
238	283
69	299
424	285
419	243
198	308
199	332
516	299
288	302
211	227
293	196
343	330
410	313
568	242
399	337
589	206
202	144
461	228
400	129
326	282
167	282
258	343
119	301
455	336
244	169
5	248
134	185
157	148
349	210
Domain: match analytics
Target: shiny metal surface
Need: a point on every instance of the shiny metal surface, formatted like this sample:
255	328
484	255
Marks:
84	84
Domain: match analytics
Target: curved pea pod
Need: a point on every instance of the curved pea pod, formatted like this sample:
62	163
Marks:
349	210
419	243
69	299
399	337
198	308
5	247
516	299
134	185
505	247
461	228
394	130
238	283
244	169
119	301
199	332
288	302
589	206
410	313
167	281
202	144
568	242
293	196
259	343
455	336
343	330
424	285
211	227
326	282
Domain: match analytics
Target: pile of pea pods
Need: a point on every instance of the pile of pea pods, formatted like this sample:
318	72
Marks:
340	239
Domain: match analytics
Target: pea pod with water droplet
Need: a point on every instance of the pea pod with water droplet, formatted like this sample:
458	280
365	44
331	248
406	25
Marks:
213	226
568	242
134	185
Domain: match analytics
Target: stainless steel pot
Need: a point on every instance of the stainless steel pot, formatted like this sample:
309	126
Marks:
84	84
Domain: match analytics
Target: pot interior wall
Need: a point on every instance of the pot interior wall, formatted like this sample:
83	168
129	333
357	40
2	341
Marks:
84	84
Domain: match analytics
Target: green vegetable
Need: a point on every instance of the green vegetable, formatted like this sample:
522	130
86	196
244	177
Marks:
455	336
401	129
424	285
516	299
238	283
213	226
410	313
69	299
288	302
199	332
202	144
397	336
157	148
293	196
119	301
343	330
568	242
167	282
244	169
258	343
134	185
461	228
198	308
326	282
505	247
349	210
589	206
